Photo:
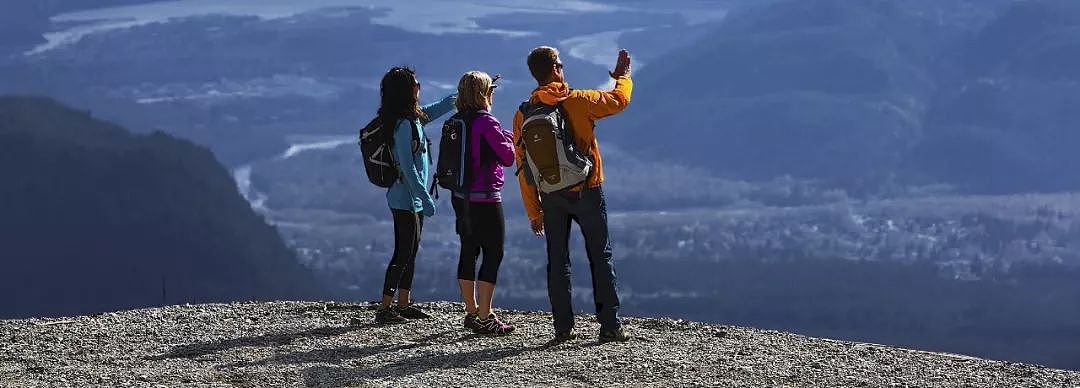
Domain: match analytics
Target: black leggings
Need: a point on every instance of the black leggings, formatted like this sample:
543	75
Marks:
485	231
399	273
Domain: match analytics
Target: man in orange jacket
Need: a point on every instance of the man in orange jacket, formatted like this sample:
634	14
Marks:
550	214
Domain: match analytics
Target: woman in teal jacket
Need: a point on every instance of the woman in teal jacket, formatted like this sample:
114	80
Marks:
409	199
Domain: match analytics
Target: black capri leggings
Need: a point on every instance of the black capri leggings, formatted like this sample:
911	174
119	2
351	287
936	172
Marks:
486	232
399	273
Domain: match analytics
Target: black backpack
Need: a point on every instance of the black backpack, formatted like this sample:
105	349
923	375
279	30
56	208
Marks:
452	171
376	148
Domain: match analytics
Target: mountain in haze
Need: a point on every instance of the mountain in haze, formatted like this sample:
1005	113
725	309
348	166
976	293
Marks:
865	94
785	90
1004	118
244	78
95	218
23	22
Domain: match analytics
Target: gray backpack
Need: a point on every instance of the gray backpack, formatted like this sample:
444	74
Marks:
552	161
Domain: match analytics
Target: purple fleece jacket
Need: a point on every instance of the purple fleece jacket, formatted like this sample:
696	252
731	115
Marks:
491	148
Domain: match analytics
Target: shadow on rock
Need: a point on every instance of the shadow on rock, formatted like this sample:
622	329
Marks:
332	356
337	355
337	376
267	340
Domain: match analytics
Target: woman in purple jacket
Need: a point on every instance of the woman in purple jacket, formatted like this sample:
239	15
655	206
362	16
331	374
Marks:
490	149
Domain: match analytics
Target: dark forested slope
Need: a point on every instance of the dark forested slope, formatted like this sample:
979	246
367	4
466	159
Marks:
95	218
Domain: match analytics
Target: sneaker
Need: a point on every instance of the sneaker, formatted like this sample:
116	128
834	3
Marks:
388	315
493	325
565	336
411	312
619	335
472	322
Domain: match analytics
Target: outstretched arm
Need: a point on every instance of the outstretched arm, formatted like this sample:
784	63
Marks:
602	104
439	108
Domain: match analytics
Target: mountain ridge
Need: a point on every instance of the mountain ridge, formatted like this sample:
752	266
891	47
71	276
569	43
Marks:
861	94
97	218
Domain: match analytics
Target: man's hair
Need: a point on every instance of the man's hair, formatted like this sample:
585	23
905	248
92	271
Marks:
473	90
541	59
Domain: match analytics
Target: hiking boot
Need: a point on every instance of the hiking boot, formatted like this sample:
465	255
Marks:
411	312
564	336
386	315
493	325
617	335
472	322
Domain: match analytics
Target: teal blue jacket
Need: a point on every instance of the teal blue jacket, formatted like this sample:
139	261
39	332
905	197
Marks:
411	192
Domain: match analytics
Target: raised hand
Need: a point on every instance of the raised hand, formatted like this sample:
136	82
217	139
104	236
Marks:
622	65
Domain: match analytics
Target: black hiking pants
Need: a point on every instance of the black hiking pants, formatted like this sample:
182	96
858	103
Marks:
399	273
484	231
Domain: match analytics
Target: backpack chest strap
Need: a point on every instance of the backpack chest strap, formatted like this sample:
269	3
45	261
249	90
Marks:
480	195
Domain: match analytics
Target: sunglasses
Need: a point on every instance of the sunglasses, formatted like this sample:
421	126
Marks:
559	65
494	85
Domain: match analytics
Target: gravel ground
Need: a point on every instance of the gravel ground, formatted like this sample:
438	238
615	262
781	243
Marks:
284	344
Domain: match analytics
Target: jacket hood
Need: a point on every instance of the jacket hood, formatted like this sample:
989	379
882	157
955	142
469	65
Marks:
552	93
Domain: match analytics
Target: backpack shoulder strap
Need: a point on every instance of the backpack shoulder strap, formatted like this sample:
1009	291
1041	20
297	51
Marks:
415	129
568	125
468	116
415	134
565	117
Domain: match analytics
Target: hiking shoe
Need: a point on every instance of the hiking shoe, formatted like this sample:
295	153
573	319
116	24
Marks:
411	312
472	322
619	335
565	336
388	315
493	325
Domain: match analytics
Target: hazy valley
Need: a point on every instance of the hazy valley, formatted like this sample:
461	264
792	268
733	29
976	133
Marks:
890	171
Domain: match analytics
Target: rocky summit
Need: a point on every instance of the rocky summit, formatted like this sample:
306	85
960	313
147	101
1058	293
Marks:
332	344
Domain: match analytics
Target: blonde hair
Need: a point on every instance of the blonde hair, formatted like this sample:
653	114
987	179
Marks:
473	91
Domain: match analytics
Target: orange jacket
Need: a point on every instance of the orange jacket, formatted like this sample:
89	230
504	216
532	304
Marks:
583	107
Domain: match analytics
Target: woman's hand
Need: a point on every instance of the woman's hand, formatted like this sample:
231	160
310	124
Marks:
429	208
